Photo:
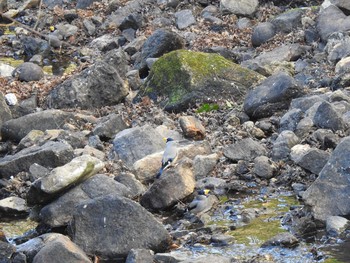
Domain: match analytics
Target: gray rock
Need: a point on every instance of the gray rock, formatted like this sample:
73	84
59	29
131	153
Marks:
51	154
204	164
326	138
311	159
342	4
282	240
16	129
135	186
208	258
12	207
328	118
272	95
82	4
133	20
5	112
107	226
264	167
135	45
159	43
262	33
330	20
140	256
28	71
288	21
222	240
104	43
245	149
6	70
64	31
89	27
109	126
134	79
175	184
60	212
184	19
97	86
305	103
283	144
290	120
135	143
65	248
336	225
239	7
323	194
211	183
6	251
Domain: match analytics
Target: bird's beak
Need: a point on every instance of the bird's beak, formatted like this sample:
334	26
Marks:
165	139
206	191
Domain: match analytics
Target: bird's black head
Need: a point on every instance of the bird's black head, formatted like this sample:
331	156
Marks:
204	192
169	139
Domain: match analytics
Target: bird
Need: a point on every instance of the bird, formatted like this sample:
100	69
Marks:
169	156
202	203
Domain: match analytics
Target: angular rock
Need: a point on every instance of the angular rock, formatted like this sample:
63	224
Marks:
290	120
77	170
12	207
6	70
60	212
51	154
204	164
16	129
283	144
28	71
99	85
175	184
133	144
272	95
262	33
239	7
328	118
336	225
107	226
109	126
332	186
140	256
65	248
182	78
184	18
288	21
192	127
305	103
246	149
264	167
104	43
283	240
133	20
135	186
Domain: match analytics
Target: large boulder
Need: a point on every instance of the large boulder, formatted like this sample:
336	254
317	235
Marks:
181	78
329	194
272	95
60	212
111	226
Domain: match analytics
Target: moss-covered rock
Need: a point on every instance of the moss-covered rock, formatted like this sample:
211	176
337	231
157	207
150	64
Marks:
182	78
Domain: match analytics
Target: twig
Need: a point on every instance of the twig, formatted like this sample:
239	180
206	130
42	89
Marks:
39	15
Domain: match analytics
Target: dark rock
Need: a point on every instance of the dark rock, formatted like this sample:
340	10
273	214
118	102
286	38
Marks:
107	226
6	251
109	126
17	129
305	228
312	160
51	154
135	186
135	46
246	149
159	43
283	240
140	256
60	212
28	71
324	193
283	144
192	127
135	143
184	18
305	103
133	21
65	248
288	21
82	4
262	33
290	120
328	118
272	95
33	46
13	207
326	138
175	184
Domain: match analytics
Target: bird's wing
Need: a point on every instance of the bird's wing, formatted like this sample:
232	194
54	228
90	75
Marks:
170	153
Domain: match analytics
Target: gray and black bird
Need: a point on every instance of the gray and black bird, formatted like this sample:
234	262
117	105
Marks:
169	156
202	203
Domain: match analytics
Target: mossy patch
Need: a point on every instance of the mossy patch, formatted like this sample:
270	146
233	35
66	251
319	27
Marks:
207	107
17	227
11	61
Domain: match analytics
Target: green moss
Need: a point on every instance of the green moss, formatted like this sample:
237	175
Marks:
332	260
11	61
207	107
17	227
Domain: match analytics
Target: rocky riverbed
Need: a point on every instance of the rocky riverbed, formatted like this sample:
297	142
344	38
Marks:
255	95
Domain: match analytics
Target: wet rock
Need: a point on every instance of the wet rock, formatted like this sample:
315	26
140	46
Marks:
216	78
140	256
184	18
133	144
272	95
107	226
324	193
192	127
264	167
204	164
109	126
262	33
336	225
60	212
243	8
328	118
99	85
246	149
66	249
175	184
311	159
28	71
77	170
288	21
16	129
12	207
283	240
283	144
135	186
159	43
51	154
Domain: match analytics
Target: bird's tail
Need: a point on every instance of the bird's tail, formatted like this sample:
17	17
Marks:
159	173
